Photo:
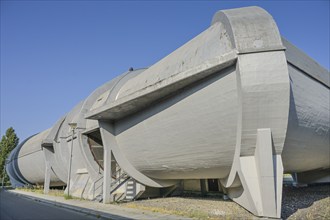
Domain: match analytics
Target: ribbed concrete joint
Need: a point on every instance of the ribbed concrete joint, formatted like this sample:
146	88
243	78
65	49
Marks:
263	90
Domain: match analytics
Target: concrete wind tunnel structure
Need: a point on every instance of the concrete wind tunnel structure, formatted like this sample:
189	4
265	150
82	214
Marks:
231	110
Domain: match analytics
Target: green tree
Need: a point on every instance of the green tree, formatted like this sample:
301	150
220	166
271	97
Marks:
8	142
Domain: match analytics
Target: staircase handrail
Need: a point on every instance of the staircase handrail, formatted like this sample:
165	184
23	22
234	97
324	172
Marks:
94	189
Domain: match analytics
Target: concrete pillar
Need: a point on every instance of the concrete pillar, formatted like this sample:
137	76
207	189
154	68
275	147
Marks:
106	130
47	177
203	186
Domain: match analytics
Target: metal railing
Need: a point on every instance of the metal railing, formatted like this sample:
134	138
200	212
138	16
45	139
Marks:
119	182
101	185
118	179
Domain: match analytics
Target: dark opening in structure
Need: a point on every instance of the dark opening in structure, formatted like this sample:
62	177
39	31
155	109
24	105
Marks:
96	146
213	185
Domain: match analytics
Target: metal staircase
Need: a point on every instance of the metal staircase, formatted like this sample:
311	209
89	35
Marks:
130	189
98	185
118	179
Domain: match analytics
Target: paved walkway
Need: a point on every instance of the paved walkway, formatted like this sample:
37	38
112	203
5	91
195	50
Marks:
100	210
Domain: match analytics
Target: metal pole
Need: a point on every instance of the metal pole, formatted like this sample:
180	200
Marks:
69	177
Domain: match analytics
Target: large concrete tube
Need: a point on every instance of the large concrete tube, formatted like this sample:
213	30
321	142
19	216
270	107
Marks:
237	103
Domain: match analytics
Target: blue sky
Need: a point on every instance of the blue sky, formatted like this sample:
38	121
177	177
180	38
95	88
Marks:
55	53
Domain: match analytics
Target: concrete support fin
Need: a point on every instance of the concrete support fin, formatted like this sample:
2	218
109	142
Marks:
261	178
47	177
107	170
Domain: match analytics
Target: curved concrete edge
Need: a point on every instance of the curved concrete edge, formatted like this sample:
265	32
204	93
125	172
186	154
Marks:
111	148
53	133
251	29
15	181
255	182
48	144
88	163
31	160
12	166
93	208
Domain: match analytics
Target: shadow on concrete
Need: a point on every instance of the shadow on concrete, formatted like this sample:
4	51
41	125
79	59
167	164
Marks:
295	198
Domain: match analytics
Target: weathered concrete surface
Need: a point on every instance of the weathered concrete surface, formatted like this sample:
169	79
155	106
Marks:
238	103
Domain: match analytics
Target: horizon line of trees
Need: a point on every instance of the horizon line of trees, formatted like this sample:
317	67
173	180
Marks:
8	142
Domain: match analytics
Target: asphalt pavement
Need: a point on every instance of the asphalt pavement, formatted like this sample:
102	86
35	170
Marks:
23	205
16	207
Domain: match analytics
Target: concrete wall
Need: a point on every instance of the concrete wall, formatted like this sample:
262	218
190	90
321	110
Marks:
204	118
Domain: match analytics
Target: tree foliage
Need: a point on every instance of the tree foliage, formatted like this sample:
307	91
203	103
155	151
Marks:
8	142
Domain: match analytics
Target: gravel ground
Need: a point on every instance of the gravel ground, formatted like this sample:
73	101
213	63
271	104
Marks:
311	202
194	207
